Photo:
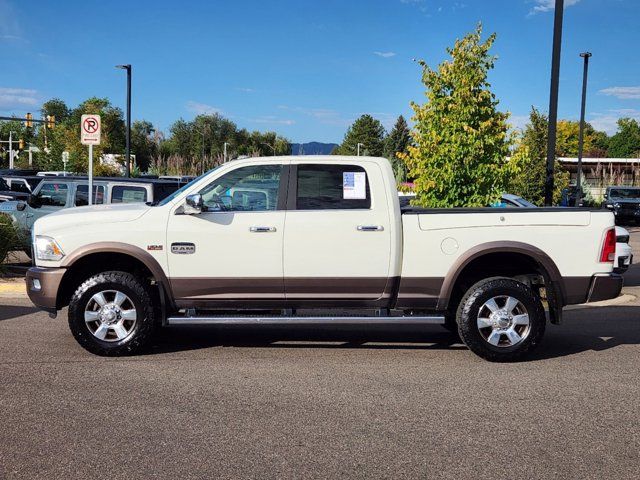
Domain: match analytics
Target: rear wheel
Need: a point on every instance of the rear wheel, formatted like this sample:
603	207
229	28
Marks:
112	314
501	319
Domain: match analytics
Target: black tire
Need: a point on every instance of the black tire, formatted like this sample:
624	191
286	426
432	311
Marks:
138	295
469	310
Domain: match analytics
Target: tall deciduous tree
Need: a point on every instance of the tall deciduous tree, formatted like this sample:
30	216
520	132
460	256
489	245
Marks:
365	130
461	140
397	142
625	143
529	163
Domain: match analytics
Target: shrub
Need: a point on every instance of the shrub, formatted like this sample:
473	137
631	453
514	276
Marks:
9	237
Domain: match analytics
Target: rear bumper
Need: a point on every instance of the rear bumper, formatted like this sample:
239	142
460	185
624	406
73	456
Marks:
604	286
42	287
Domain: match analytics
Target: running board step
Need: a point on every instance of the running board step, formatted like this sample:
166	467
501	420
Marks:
302	320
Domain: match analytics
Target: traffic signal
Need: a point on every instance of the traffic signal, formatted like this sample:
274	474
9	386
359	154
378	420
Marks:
51	121
21	144
29	117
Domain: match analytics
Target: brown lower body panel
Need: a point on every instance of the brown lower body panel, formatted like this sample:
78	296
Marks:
322	292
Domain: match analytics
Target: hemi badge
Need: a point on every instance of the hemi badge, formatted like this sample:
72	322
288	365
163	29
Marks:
154	247
183	248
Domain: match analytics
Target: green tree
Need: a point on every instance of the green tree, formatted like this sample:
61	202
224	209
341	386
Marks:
529	163
365	130
397	142
460	139
143	145
625	143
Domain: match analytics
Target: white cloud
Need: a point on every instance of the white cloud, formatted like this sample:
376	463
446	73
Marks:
18	98
272	120
542	6
201	108
608	121
385	54
622	92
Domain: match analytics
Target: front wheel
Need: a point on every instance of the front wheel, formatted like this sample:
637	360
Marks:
501	319
112	314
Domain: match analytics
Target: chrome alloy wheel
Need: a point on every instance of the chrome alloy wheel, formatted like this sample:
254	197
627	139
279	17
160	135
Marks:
110	315
503	321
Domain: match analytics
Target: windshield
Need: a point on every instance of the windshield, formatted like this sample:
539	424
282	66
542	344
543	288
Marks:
626	193
178	192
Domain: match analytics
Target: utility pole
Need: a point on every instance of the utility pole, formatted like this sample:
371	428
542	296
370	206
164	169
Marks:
224	148
127	67
585	72
358	148
11	150
553	101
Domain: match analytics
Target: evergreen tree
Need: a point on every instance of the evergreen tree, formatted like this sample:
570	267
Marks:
460	139
365	130
397	142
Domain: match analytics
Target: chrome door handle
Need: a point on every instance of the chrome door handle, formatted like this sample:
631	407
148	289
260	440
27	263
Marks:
29	215
370	228
262	229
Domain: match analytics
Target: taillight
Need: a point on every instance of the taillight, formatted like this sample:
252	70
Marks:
609	247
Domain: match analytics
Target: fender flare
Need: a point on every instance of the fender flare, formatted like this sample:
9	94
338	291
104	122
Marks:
118	247
550	269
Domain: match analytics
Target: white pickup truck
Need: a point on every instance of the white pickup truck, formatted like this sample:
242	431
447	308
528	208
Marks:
293	240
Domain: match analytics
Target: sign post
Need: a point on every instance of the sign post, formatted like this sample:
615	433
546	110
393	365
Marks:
90	135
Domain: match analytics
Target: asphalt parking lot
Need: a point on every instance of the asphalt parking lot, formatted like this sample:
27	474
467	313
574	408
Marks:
274	403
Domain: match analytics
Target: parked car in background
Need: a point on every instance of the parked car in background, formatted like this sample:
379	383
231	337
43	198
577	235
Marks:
54	173
6	194
57	193
625	204
23	184
178	178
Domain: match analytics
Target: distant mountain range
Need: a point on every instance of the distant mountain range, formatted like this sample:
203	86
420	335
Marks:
312	148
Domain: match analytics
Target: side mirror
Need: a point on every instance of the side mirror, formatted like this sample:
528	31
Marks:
34	201
193	204
21	206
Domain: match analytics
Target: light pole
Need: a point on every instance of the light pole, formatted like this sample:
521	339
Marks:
224	149
586	56
358	148
127	67
553	101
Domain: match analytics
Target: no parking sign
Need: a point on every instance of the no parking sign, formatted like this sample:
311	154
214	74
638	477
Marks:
90	130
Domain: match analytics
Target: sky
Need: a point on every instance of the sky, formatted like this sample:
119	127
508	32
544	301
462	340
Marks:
307	69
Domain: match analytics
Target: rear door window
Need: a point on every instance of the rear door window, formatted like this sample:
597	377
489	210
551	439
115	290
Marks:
81	195
332	187
128	194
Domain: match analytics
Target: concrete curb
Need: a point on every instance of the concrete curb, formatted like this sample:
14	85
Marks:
622	299
13	288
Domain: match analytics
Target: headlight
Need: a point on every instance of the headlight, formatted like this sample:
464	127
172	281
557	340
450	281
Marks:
47	249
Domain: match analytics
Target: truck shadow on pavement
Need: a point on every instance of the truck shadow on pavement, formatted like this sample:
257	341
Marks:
8	312
586	329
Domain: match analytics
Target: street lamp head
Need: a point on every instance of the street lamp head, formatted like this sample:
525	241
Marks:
124	67
585	54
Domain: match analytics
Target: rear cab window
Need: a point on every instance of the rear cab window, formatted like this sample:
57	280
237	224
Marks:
81	195
128	194
332	187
